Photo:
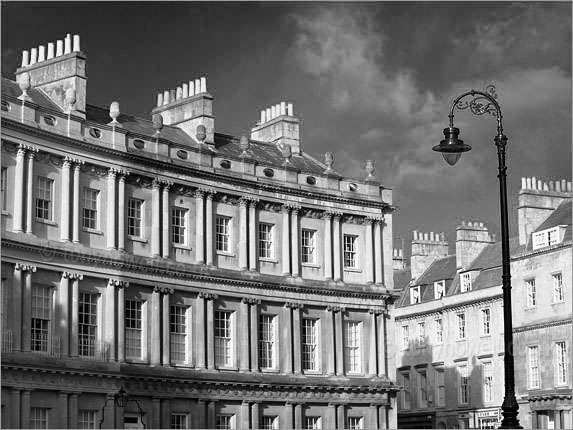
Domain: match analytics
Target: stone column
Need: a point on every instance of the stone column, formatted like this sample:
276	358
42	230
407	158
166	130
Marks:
243	334
253	236
378	264
329	342
63	409
341	413
327	245
111	212
382	417
155	412
295	251
331	416
255	416
65	215
76	203
110	317
30	193
382	343
199	226
14	408
387	249
373	417
18	220
25	409
339	330
165	421
298	416
27	308
287	338
166	335
155	218
201	329
155	328
243	252
209	228
17	323
244	417
297	339
201	416
73	411
166	240
62	326
369	251
211	423
75	314
373	341
337	254
210	332
285	240
288	421
121	212
121	322
254	335
392	417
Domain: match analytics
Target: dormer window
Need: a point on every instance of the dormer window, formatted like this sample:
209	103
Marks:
548	237
439	289
415	295
466	280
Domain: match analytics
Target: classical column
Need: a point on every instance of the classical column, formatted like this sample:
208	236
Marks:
243	202
201	330
244	417
155	327
253	236
339	330
27	308
297	339
244	336
63	409
378	264
327	245
65	215
73	411
25	409
254	335
201	416
285	240
341	413
76	203
337	254
298	416
373	341
75	314
372	417
63	328
14	408
155	412
165	240
165	421
209	228
392	418
121	212
369	263
17	307
287	340
331	416
387	249
329	341
199	226
211	423
121	322
111	212
166	329
30	193
288	421
383	341
155	218
255	416
210	332
18	220
382	419
295	250
110	317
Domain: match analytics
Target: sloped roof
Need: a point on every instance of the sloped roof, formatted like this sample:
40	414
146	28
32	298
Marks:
490	256
442	268
226	145
560	216
402	278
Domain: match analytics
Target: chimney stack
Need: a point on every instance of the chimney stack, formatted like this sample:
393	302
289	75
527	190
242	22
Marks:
425	249
471	239
187	107
398	261
278	125
55	73
537	199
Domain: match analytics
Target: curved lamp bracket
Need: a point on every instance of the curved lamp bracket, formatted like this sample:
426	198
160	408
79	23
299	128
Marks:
480	103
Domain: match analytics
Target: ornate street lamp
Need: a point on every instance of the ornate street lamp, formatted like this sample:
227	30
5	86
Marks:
121	399
452	148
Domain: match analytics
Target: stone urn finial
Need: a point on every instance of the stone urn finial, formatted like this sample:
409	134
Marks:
70	99
285	150
157	122
244	144
329	161
24	84
201	134
370	168
114	111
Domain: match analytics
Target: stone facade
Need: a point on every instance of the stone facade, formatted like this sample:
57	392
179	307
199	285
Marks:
217	282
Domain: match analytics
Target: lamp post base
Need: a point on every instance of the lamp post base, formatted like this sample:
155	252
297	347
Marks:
510	408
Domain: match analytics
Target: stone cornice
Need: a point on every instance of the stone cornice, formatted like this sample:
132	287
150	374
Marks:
542	325
447	308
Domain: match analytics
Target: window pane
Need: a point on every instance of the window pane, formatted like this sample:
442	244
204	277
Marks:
309	344
89	215
41	317
266	241
178	333
350	251
86	419
557	287
267	341
133	328
352	353
223	339
134	217
223	234
44	199
179	226
308	246
531	293
87	324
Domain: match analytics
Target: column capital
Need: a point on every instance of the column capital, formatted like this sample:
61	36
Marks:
290	206
377	310
156	183
253	201
335	308
294	305
71	275
208	296
251	301
78	163
112	172
123	174
210	194
25	267
68	161
118	283
166	185
243	201
367	221
163	290
200	193
31	152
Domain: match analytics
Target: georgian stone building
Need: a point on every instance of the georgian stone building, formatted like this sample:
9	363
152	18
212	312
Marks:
449	321
217	282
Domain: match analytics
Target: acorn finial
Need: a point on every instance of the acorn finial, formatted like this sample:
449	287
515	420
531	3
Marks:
286	151
24	84
329	161
157	120
244	144
370	168
114	111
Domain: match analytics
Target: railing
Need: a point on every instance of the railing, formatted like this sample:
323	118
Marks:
93	350
46	345
7	341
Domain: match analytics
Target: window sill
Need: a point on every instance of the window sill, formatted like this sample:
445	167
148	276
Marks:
352	269
268	260
183	365
270	370
354	374
312	372
6	213
137	239
225	254
227	368
135	361
421	347
529	308
461	340
311	265
557	303
181	246
92	231
46	221
484	335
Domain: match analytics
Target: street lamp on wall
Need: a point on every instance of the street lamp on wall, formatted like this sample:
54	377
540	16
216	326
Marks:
452	148
121	399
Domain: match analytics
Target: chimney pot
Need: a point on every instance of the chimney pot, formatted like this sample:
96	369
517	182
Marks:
25	58
269	117
263	116
41	53
191	88
59	48
203	84
165	97
432	236
185	90
558	186
273	112
568	187
425	236
563	185
33	56
68	44
533	183
159	99
523	183
50	51
539	185
528	183
197	86
76	43
179	93
290	109
283	108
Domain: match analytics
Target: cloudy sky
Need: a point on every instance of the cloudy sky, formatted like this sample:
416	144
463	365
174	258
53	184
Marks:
369	80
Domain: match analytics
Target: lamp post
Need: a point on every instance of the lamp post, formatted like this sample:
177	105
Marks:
452	148
121	399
